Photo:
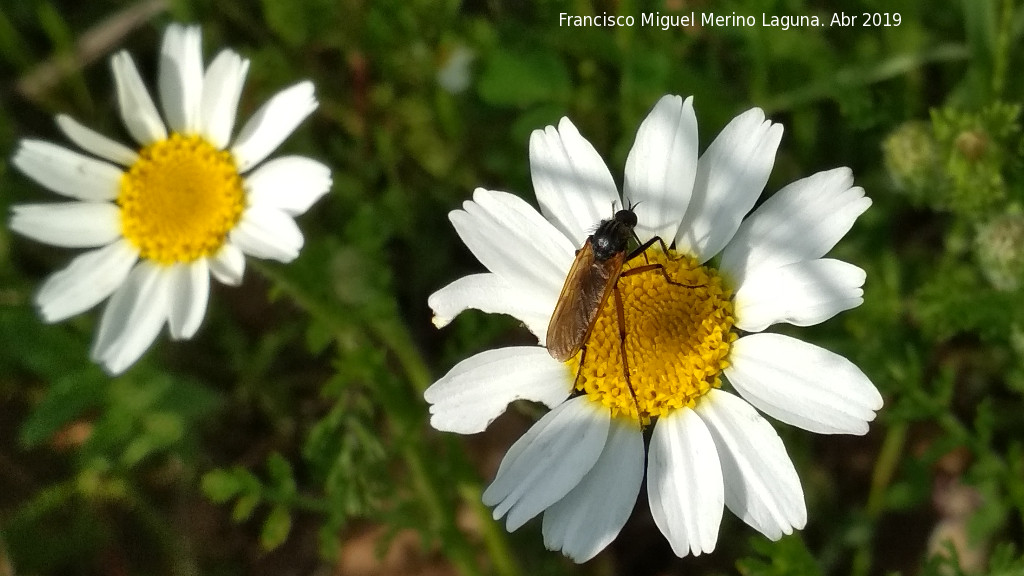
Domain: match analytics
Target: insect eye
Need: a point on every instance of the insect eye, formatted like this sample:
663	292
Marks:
627	217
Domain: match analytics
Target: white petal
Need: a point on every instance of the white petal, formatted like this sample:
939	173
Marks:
267	233
802	384
222	87
189	293
548	461
272	123
591	515
761	485
573	186
493	294
512	240
95	143
137	109
181	77
133	318
66	172
228	265
803	221
661	166
802	294
684	483
86	281
477	390
730	176
290	183
68	224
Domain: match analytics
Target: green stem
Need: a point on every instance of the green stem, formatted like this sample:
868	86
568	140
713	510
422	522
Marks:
399	342
494	536
303	502
460	552
885	469
846	78
1002	55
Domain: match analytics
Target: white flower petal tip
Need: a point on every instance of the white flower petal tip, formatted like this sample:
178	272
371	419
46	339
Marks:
512	239
132	318
267	233
685	487
272	123
803	385
189	294
477	390
138	111
222	88
68	224
593	513
731	175
548	461
529	257
573	185
661	167
228	265
803	221
95	143
67	172
180	79
290	184
762	487
87	281
492	294
803	294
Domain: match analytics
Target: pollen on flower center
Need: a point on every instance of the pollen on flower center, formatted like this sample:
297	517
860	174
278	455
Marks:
180	199
677	339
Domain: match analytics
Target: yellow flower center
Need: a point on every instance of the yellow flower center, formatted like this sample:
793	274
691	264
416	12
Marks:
677	339
180	199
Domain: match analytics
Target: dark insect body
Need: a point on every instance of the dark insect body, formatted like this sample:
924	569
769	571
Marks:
593	277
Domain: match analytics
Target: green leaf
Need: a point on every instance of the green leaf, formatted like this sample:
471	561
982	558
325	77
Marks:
1006	561
67	399
276	528
221	485
245	506
788	556
281	476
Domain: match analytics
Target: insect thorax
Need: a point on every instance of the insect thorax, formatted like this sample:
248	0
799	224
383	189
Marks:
610	238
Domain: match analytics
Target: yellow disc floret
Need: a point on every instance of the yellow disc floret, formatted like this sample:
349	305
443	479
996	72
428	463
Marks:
180	199
677	339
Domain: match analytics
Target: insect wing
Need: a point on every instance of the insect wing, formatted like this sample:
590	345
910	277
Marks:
586	288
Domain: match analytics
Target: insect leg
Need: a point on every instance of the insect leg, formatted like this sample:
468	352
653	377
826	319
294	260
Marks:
642	247
579	371
660	268
622	351
642	250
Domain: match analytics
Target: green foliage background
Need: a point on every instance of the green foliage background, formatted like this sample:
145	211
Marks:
291	434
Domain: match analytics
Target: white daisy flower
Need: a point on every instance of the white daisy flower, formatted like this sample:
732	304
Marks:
186	203
582	464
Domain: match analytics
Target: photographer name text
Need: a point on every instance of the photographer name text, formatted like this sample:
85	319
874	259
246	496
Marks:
710	19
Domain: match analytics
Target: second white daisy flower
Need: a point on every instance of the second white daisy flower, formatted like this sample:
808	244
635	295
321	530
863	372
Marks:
583	463
186	204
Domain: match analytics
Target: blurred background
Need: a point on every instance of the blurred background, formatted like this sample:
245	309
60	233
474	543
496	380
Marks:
290	435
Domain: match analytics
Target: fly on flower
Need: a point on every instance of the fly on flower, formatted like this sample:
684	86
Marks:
593	277
701	366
